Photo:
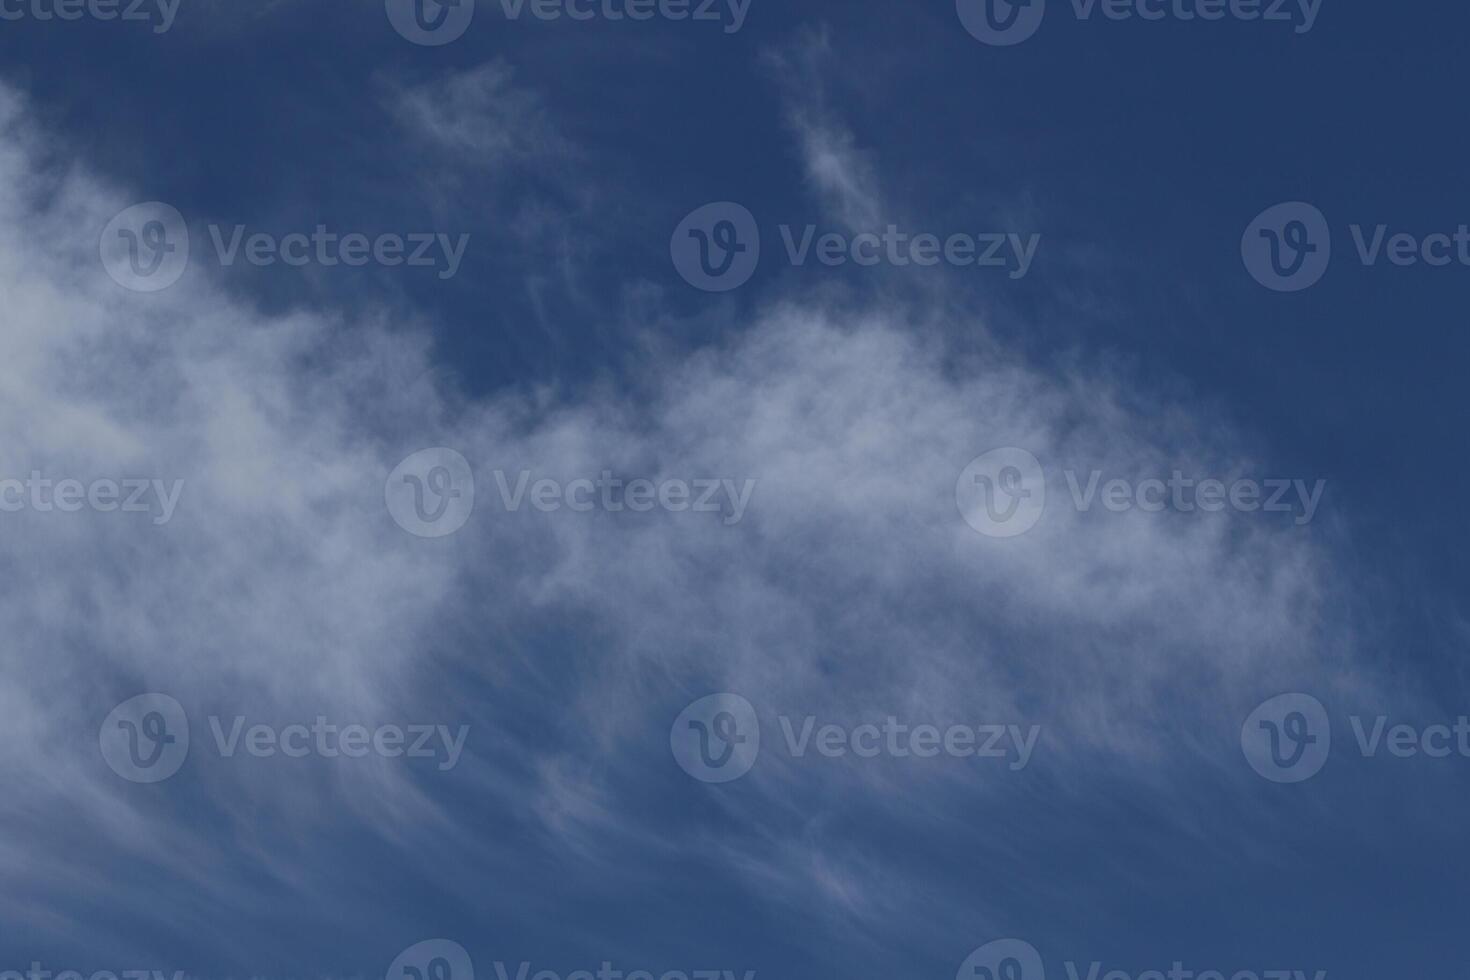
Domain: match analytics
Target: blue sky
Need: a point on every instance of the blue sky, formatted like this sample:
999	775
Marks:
338	516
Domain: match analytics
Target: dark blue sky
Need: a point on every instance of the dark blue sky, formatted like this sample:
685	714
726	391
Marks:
569	152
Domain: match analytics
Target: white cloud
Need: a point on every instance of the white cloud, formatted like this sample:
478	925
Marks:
851	587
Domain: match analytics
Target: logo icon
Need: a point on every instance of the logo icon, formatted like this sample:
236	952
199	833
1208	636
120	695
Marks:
431	494
432	959
1288	738
1002	493
431	22
1288	247
145	739
717	738
145	248
1001	22
1004	959
717	247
